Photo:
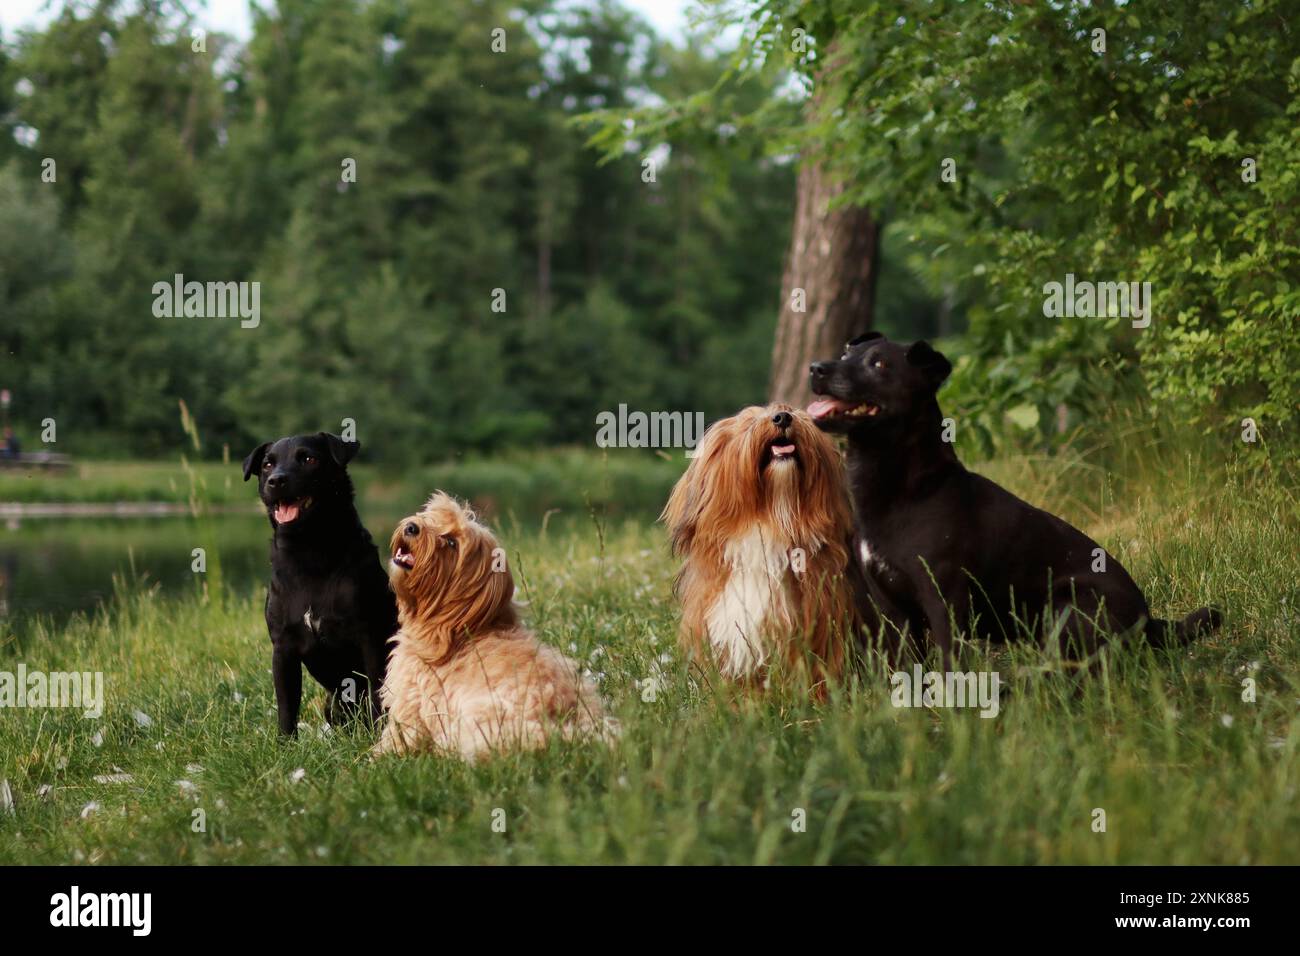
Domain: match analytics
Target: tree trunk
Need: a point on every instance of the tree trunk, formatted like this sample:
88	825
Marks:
832	264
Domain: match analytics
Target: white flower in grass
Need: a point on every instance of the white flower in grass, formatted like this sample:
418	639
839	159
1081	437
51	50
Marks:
298	775
97	740
142	719
115	778
237	697
44	790
88	809
187	787
1226	720
193	768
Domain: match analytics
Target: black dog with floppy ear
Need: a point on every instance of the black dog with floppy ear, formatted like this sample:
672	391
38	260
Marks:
253	462
948	547
340	450
329	607
936	367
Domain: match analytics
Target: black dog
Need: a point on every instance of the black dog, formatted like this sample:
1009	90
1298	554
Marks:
329	605
936	538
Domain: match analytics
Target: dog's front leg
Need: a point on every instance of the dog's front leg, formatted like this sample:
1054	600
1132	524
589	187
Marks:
945	611
286	671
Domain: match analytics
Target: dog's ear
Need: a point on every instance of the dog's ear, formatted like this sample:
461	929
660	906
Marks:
254	460
681	513
932	363
341	451
695	490
684	510
865	337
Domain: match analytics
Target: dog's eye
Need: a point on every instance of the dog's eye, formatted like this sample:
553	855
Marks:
309	460
266	465
412	529
449	541
878	363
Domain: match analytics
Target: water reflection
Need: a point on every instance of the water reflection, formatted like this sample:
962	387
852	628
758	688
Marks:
52	568
55	567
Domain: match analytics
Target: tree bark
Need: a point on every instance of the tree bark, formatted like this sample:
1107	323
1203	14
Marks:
833	258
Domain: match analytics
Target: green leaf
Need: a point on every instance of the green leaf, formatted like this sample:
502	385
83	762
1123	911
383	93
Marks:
1024	416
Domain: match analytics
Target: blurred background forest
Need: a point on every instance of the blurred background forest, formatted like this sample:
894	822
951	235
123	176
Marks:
523	170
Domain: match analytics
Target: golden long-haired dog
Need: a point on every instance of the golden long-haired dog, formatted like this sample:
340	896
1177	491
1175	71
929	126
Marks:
464	676
762	519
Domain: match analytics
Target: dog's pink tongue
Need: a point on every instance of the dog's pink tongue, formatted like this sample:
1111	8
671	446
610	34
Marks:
825	406
783	449
286	511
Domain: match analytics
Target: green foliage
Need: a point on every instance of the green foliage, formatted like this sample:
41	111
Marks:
35	258
1123	164
377	295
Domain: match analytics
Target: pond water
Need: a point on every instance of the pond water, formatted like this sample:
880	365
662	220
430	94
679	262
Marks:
52	568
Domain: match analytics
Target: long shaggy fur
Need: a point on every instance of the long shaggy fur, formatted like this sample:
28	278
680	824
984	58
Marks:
464	676
764	543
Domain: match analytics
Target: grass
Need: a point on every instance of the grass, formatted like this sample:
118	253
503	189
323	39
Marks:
1184	768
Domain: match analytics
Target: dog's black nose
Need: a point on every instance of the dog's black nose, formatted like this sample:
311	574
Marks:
820	369
275	481
782	419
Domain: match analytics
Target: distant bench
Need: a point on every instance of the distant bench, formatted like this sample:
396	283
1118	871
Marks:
42	460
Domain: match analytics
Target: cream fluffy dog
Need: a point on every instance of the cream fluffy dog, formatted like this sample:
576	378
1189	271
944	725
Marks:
464	676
